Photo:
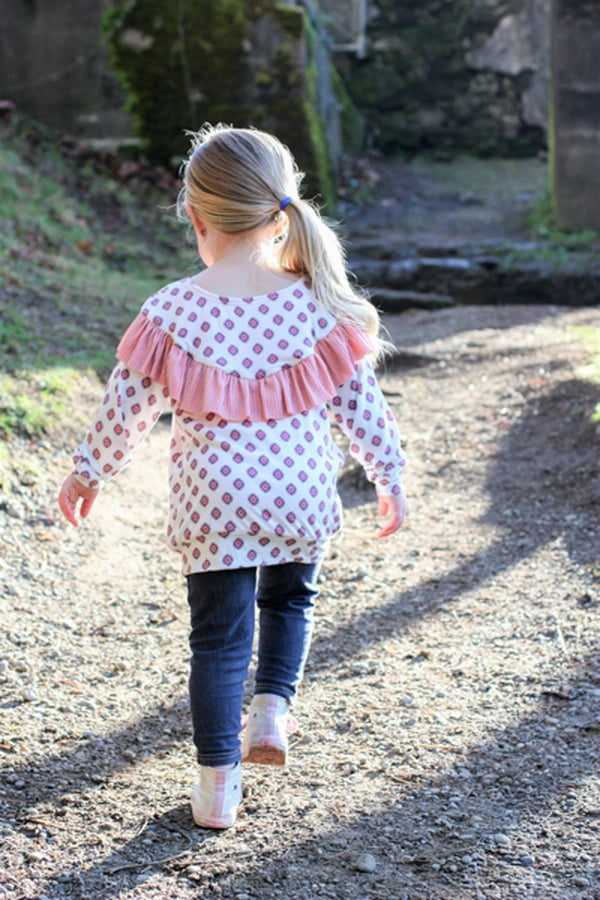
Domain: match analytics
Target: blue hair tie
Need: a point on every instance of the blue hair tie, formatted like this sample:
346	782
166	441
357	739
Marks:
284	203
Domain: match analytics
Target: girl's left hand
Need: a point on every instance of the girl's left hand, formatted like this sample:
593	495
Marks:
71	492
394	506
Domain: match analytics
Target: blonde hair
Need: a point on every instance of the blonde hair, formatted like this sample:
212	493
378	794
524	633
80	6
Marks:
235	179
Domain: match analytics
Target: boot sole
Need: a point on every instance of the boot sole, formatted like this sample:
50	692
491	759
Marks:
266	756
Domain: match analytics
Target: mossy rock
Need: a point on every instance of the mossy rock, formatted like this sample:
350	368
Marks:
199	61
416	65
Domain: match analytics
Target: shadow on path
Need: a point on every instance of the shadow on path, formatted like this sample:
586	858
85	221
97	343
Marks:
435	822
548	463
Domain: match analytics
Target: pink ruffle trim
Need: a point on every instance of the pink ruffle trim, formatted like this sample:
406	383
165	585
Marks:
199	389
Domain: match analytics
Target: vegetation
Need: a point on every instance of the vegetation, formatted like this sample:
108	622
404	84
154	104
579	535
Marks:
590	338
238	62
79	252
181	63
542	223
418	92
551	245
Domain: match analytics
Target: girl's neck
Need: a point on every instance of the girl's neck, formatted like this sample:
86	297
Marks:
241	268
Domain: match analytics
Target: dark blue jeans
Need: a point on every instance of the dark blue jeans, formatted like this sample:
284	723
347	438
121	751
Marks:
222	621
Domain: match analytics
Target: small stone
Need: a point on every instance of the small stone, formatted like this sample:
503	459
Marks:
194	873
29	694
526	860
129	754
501	840
365	863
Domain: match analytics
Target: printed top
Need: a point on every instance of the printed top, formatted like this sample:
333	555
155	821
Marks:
249	382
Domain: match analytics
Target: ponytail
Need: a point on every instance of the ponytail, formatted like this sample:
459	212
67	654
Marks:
311	248
238	179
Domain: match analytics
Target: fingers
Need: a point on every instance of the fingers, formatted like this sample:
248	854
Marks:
394	525
394	506
71	492
67	506
86	506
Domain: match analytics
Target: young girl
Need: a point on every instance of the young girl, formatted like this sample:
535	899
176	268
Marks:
249	356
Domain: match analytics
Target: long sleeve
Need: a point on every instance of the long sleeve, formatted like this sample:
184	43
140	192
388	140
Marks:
362	412
131	405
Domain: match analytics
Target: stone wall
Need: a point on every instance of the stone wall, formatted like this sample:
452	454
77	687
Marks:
441	75
454	75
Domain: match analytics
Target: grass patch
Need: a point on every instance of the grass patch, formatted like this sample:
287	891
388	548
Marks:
541	222
34	401
79	253
550	245
590	338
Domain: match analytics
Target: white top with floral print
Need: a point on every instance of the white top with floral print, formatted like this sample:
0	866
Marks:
253	464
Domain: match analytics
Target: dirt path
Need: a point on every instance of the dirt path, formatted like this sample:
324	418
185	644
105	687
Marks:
449	742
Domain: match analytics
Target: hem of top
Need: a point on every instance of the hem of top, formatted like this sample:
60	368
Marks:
196	567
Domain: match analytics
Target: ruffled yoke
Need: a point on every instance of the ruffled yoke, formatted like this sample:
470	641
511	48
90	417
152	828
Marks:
250	359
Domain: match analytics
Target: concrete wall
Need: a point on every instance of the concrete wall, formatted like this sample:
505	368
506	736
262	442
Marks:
576	113
54	66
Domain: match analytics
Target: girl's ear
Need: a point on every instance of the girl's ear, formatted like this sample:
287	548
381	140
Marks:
198	224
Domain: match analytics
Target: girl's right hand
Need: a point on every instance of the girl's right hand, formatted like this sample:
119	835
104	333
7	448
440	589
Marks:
71	493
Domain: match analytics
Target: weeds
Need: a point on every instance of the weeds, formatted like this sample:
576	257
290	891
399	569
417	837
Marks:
79	253
590	338
549	245
541	222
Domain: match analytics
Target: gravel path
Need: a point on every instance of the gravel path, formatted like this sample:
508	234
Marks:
449	742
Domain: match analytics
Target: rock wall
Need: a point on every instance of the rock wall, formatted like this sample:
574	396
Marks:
445	75
454	75
181	65
237	61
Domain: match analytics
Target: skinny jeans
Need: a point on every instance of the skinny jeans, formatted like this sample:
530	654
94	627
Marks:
222	611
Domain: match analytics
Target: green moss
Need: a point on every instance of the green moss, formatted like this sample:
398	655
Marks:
318	138
288	107
416	63
542	222
552	148
191	67
352	124
186	70
291	19
322	160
